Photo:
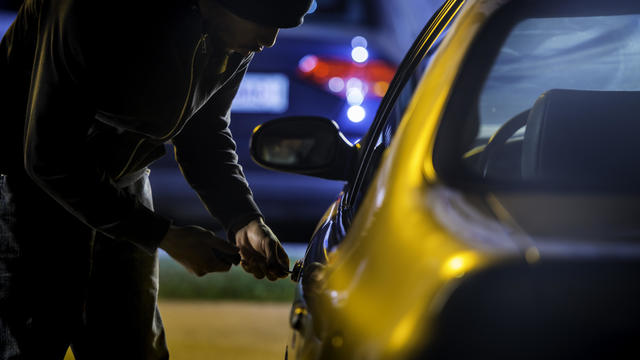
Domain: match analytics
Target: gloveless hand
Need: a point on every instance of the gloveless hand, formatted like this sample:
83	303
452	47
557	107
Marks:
261	252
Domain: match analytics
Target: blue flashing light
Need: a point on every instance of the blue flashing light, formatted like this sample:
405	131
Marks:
355	96
359	54
336	84
359	41
356	113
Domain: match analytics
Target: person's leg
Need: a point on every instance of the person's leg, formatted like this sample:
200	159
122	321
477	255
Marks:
121	317
13	321
43	268
122	320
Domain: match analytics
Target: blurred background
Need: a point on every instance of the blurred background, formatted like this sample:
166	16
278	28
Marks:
338	65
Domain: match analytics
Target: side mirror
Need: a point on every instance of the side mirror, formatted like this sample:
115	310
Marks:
305	145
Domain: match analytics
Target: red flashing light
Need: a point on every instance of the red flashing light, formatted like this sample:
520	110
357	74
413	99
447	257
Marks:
374	74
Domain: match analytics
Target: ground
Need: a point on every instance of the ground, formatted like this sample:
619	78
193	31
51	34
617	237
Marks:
224	330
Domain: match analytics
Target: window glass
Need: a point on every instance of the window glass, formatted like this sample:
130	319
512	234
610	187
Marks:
563	91
541	128
383	139
589	53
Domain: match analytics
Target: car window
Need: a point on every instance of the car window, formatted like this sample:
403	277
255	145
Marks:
543	119
395	115
381	134
587	53
558	89
383	139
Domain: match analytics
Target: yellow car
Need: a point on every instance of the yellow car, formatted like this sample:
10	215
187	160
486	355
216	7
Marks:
493	208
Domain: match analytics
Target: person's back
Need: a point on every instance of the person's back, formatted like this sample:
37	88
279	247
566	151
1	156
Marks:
91	91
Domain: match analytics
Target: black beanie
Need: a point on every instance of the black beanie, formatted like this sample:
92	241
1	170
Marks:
276	13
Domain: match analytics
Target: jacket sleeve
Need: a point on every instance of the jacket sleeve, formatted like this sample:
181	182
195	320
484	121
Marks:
59	114
205	152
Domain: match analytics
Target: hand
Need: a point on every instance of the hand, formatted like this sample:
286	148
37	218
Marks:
199	250
261	252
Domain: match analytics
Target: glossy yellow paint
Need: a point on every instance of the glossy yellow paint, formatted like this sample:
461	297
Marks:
397	260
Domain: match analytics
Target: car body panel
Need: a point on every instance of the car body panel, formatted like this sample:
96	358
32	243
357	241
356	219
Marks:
305	341
395	209
433	229
395	205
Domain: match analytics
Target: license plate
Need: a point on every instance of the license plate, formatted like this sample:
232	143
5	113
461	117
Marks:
262	93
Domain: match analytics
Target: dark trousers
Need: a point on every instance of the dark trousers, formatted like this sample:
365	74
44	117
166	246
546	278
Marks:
62	284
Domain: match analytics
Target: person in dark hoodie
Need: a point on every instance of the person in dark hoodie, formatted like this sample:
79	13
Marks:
90	92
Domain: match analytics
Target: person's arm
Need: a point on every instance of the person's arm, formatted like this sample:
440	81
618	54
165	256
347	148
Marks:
59	115
205	151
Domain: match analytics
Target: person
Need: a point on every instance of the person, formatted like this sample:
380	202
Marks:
90	93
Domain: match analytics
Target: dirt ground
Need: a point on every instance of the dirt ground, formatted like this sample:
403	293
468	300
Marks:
225	330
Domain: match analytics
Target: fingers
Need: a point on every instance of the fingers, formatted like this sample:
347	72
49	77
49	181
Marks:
253	262
224	253
283	260
226	246
214	262
227	257
277	260
262	254
272	261
251	259
208	265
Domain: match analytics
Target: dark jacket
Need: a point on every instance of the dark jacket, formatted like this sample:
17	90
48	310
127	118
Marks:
104	84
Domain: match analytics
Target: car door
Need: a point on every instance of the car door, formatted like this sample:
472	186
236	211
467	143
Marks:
306	318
